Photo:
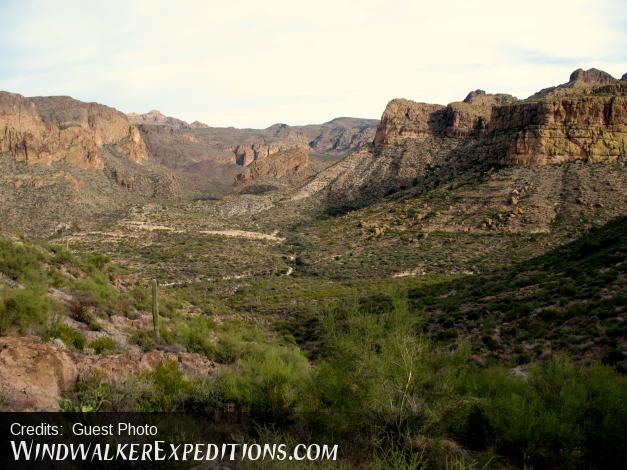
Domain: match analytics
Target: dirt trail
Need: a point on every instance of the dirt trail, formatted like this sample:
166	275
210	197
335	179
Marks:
244	234
134	226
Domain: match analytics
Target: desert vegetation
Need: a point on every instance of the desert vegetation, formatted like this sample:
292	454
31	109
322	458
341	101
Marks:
386	392
369	364
518	366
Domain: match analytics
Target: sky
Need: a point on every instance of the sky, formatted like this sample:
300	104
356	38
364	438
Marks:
254	63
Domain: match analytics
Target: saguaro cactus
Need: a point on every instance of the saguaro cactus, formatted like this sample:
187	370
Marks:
155	307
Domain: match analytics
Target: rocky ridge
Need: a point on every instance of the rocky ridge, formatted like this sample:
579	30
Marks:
340	136
217	159
213	158
64	161
582	120
61	129
581	123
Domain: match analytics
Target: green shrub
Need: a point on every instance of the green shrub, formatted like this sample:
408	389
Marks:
561	414
377	372
26	309
67	334
96	290
146	339
21	262
167	389
92	393
104	345
268	381
197	334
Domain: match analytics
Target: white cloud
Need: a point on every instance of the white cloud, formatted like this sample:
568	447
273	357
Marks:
251	63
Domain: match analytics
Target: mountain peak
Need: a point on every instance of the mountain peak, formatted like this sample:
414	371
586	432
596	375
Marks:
156	117
591	77
473	94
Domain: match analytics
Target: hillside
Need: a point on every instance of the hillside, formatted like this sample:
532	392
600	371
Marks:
339	136
214	160
66	164
418	143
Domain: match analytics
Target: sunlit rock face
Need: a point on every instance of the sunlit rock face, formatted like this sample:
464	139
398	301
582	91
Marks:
65	130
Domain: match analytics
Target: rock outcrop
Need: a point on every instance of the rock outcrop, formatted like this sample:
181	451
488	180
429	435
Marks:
212	159
405	120
61	129
471	116
35	375
279	164
585	118
584	123
417	143
66	161
578	80
155	117
340	136
246	154
207	157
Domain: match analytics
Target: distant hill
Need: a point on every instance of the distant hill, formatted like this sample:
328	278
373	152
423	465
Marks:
213	159
584	120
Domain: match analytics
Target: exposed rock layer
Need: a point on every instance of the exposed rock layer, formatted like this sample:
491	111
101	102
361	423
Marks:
589	125
34	375
214	159
61	129
583	119
278	164
211	158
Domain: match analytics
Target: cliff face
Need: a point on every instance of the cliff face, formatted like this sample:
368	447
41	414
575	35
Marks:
340	136
65	162
155	117
580	80
471	116
213	159
279	164
583	119
248	153
405	120
422	144
589	125
61	129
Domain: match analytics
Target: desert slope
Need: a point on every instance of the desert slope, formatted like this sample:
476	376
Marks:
65	161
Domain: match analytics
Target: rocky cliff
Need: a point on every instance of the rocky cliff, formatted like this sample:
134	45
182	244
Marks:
340	136
583	119
279	164
573	123
404	120
471	116
64	162
61	129
578	81
155	117
245	154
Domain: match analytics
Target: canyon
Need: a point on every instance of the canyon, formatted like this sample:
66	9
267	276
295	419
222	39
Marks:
428	192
